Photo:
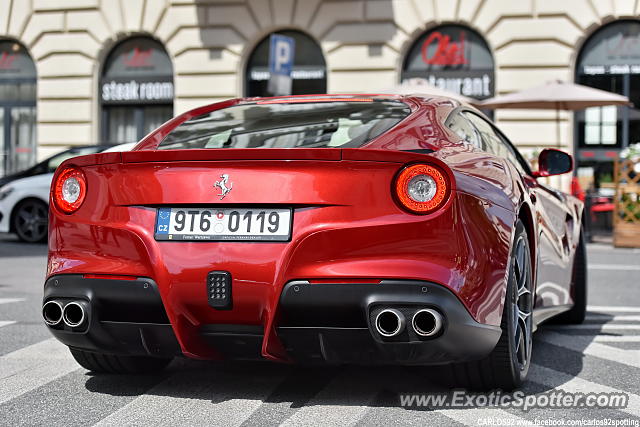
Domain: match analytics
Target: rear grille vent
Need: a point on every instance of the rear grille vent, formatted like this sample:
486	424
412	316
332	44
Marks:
219	289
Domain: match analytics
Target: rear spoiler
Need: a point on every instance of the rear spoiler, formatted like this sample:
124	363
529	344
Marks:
231	154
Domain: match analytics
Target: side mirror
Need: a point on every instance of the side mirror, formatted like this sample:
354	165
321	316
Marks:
553	162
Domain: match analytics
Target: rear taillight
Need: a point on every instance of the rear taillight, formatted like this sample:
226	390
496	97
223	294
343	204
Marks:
69	190
422	188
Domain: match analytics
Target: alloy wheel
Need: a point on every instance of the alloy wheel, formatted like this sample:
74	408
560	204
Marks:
522	304
31	221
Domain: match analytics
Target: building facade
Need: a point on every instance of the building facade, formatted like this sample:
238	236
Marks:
78	72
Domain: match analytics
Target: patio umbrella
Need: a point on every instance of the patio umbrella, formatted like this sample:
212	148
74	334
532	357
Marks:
420	86
556	95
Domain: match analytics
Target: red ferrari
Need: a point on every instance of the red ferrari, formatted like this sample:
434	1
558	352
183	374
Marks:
362	229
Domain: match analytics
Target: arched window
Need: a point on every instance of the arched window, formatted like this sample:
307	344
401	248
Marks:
136	90
452	58
309	73
609	60
18	144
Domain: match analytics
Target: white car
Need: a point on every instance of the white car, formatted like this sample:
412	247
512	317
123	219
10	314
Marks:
24	204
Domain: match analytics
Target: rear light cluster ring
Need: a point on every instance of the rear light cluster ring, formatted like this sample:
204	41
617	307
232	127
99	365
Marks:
69	190
422	188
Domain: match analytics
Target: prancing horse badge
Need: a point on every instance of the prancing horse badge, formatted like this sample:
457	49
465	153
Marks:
222	185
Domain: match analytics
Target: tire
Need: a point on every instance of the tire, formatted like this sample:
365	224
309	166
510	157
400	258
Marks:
114	364
578	288
29	220
506	367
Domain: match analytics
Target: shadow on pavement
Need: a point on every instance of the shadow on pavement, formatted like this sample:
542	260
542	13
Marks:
294	386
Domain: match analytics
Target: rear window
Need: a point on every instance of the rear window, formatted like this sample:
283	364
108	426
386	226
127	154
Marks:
288	125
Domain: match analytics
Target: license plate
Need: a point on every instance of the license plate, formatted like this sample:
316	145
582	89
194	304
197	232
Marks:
223	224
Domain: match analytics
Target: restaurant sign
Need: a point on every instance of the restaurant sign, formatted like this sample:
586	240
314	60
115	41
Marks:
138	71
452	58
15	62
614	49
117	91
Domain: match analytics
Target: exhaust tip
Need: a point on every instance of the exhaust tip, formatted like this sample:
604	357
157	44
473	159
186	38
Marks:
73	314
390	322
427	322
52	313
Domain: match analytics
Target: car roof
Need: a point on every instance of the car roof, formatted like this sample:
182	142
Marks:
421	98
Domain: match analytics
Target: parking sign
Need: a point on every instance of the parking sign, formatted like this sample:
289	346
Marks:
281	53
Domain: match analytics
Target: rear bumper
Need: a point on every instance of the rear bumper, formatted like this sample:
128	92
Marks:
325	323
336	323
123	316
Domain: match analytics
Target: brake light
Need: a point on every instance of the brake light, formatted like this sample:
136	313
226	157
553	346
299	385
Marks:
422	188
69	190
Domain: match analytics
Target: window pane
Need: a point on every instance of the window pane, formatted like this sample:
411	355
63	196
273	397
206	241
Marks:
491	140
498	144
609	114
8	92
27	92
465	131
592	114
154	117
23	138
609	134
288	125
592	134
3	152
122	125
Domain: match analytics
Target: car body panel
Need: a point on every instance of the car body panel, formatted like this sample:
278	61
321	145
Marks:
347	224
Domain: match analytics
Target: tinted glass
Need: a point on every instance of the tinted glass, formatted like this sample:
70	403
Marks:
24	91
465	130
288	125
22	138
155	116
496	143
3	153
122	125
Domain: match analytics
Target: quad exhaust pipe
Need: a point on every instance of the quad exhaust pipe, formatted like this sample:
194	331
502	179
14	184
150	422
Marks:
426	322
73	314
390	322
52	313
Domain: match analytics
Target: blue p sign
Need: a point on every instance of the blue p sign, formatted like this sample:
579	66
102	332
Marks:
281	53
